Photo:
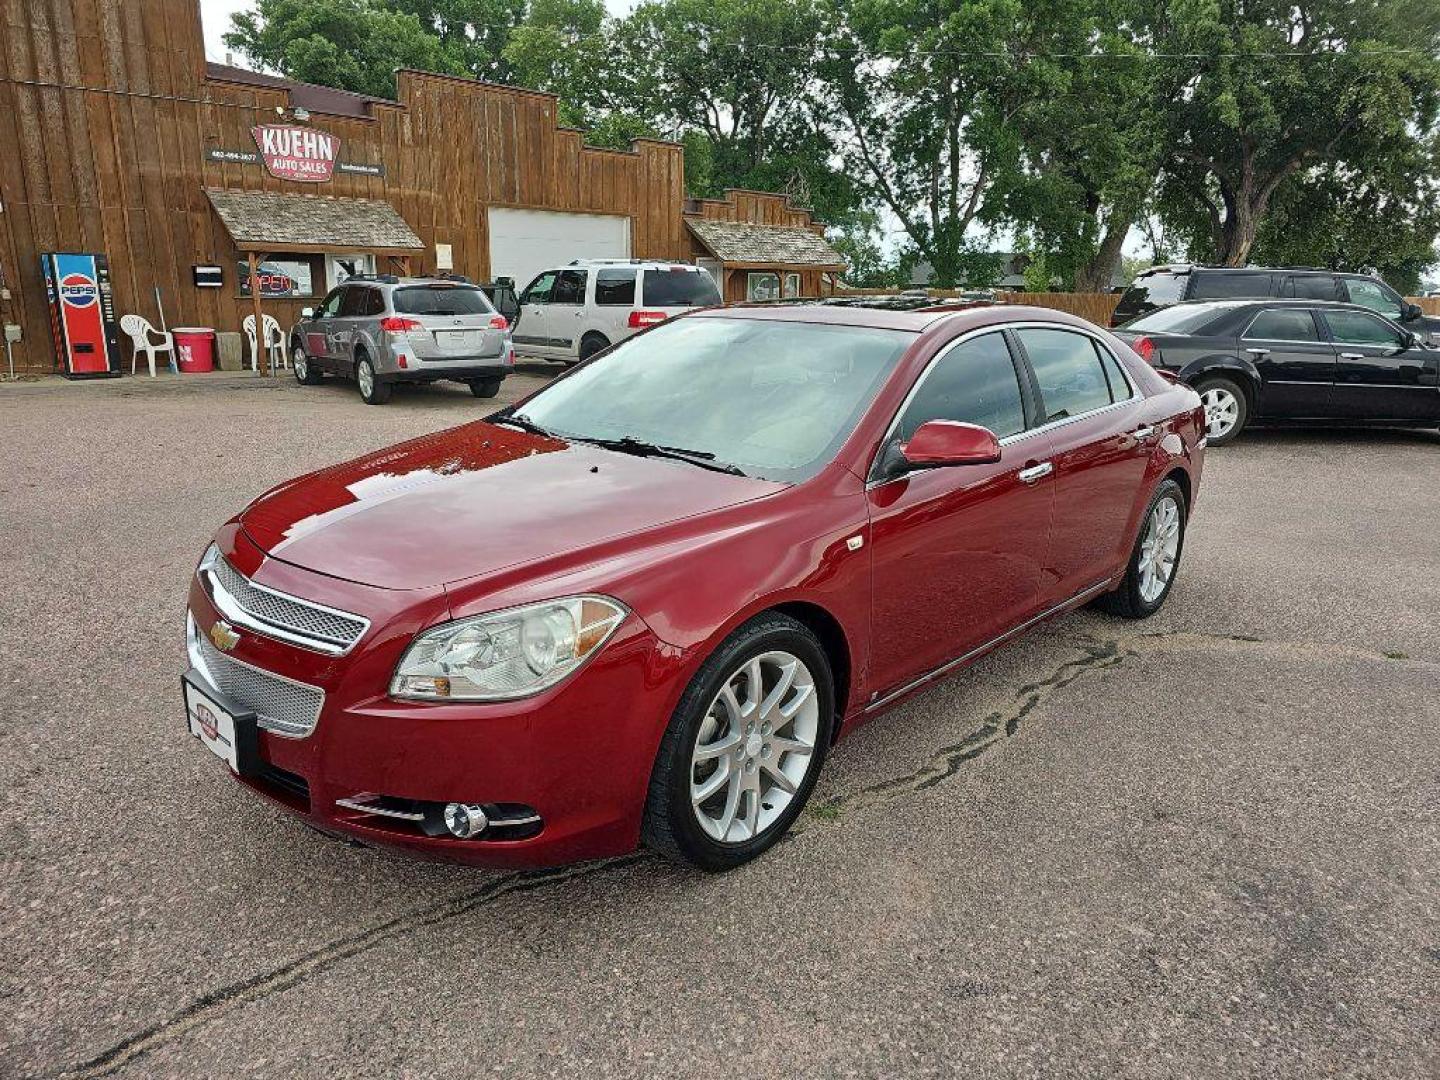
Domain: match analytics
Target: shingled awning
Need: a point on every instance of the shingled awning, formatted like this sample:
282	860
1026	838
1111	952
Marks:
271	222
742	245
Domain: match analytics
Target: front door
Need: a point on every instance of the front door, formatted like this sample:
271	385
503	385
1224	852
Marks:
532	324
958	553
1296	364
1101	448
1382	373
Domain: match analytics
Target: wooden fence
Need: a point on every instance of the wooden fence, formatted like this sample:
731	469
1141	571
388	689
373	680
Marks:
1097	307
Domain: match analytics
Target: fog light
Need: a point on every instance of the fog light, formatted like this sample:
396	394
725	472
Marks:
465	820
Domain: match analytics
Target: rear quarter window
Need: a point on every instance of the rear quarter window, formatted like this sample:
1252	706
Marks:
1223	284
679	288
1180	319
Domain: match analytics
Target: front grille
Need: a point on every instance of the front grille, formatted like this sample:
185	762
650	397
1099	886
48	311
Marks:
279	705
267	611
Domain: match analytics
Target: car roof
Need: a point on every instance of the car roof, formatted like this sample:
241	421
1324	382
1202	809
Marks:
643	264
965	314
1272	301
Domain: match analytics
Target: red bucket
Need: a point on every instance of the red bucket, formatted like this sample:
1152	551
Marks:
194	348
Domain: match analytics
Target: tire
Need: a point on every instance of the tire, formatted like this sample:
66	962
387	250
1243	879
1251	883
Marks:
1226	409
1136	597
372	390
753	753
484	387
591	344
306	374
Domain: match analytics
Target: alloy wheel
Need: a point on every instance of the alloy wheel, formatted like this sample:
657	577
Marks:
1222	411
1159	549
300	363
754	748
365	375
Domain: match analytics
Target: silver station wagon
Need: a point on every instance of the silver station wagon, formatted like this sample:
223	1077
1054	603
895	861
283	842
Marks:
385	330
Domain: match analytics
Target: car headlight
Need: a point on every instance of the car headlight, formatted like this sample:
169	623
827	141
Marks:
506	654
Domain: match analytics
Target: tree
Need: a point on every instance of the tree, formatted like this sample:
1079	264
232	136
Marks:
566	47
1278	88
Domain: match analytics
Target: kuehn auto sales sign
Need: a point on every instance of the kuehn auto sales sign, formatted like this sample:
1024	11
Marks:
296	153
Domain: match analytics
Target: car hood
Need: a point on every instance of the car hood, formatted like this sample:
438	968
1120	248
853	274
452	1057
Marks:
477	499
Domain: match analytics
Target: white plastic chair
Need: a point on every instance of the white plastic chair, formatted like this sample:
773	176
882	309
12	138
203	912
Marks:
274	341
141	332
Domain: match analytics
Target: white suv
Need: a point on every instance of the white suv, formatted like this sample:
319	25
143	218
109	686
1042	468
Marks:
572	312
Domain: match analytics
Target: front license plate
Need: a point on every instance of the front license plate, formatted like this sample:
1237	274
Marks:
230	736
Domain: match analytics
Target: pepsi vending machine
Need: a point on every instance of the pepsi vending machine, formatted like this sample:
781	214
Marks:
82	314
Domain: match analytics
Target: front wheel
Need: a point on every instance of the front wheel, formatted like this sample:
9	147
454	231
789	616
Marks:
372	390
305	372
1226	409
744	747
1156	557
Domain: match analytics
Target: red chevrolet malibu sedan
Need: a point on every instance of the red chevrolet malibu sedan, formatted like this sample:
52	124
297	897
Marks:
642	604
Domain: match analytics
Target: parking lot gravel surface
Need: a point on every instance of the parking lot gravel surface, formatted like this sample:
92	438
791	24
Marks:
1202	845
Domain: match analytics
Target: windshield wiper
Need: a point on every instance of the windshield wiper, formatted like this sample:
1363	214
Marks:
524	423
629	444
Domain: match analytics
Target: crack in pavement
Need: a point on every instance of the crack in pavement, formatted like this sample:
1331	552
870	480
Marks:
998	727
206	1007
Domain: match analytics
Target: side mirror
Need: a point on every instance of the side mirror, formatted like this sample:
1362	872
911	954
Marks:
937	443
307	312
1411	340
1410	311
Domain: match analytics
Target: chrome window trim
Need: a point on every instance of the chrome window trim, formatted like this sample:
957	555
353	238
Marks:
230	608
949	665
1019	436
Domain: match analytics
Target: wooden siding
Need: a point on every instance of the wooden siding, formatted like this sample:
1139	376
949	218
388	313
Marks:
106	116
756	208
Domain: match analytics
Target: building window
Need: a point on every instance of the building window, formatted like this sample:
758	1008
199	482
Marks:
762	286
341	268
291	276
792	285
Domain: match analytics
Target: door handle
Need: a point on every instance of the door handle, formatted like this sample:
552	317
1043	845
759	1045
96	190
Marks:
1352	356
1035	472
1258	352
1143	432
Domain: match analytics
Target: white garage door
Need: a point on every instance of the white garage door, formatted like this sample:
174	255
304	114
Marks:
525	242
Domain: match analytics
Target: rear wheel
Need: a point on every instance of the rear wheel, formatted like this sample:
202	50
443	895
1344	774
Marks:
591	344
1226	409
372	390
1156	557
744	747
484	387
305	373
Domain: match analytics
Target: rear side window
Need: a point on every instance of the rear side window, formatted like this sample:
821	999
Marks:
1310	287
1283	325
615	288
1220	284
360	301
1114	374
440	300
1068	369
975	382
569	287
1180	319
1154	290
679	288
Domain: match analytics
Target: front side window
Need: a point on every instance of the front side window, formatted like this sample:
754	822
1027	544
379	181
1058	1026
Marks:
331	307
1282	325
538	291
764	286
1358	328
615	288
1219	284
775	399
440	300
1068	369
680	287
569	287
975	382
1373	295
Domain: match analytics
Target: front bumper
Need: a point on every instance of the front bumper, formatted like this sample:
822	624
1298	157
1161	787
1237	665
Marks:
579	754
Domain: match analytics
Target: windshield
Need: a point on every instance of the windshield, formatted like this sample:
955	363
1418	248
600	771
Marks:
1180	319
775	399
441	300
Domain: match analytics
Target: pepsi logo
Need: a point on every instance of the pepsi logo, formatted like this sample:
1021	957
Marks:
77	290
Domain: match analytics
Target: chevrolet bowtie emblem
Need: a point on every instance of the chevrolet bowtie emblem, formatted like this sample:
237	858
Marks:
224	637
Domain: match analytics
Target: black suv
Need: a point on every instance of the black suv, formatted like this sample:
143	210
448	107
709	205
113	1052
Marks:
1161	286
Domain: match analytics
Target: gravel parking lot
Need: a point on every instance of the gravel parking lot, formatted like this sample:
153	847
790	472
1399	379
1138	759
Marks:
1202	845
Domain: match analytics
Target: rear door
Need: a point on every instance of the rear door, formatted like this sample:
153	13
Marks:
1100	451
565	314
317	331
1296	364
359	303
1380	376
532	324
615	292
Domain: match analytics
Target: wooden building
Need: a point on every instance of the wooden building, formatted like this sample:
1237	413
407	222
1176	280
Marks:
117	137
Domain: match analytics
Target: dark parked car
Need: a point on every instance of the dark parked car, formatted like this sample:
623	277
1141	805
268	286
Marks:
1292	360
1162	286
